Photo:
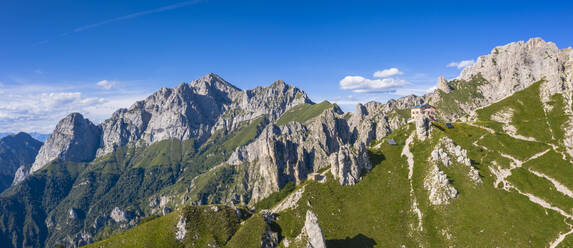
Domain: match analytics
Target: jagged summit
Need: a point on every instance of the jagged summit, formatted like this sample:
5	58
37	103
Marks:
75	138
190	110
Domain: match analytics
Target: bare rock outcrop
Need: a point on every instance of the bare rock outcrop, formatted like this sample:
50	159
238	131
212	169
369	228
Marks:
374	120
422	126
74	139
311	232
517	65
196	110
291	152
443	85
181	229
439	188
447	152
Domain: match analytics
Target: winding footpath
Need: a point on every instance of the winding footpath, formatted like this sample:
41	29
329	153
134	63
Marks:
501	175
410	158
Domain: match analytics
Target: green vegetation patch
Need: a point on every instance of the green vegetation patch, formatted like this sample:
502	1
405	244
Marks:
370	213
519	149
304	112
211	226
540	187
246	134
250	234
480	214
159	232
557	116
464	92
275	197
528	114
553	165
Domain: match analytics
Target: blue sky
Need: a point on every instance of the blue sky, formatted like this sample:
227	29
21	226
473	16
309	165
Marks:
94	57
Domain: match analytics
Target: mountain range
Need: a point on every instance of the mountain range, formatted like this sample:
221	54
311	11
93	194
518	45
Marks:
206	164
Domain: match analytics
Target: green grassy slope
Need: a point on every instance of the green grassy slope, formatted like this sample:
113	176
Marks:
159	232
463	93
377	212
206	226
129	179
304	112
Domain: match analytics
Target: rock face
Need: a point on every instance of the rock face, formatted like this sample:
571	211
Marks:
74	139
282	154
422	126
118	215
447	152
439	188
443	85
181	229
196	110
17	153
517	65
375	120
311	232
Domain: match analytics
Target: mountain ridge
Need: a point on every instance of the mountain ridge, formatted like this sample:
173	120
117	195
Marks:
208	142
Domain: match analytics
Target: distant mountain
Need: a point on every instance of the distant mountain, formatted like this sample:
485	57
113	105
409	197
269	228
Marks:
38	136
17	153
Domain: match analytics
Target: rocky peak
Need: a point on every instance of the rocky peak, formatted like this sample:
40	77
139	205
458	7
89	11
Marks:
375	120
213	85
517	65
74	139
443	85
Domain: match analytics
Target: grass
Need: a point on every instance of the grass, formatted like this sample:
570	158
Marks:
557	117
567	242
304	112
275	197
370	212
159	232
250	234
528	114
540	187
206	227
246	134
481	214
553	165
376	211
463	93
519	149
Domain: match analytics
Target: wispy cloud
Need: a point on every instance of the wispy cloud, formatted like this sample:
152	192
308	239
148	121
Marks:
106	84
360	84
384	84
127	17
387	73
38	107
461	64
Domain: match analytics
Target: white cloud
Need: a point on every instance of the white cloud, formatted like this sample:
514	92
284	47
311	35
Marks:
387	73
105	84
461	64
38	108
360	84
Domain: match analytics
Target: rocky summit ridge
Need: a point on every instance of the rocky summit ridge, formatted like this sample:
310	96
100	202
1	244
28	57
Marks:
209	142
191	110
